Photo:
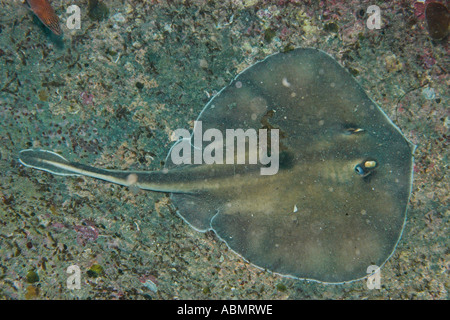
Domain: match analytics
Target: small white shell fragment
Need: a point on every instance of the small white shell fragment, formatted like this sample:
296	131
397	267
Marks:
118	17
285	82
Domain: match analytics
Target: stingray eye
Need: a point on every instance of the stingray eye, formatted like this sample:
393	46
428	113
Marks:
366	167
370	164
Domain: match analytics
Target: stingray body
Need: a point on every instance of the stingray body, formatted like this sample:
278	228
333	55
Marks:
337	204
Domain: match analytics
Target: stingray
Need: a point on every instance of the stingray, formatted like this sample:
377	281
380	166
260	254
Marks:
335	206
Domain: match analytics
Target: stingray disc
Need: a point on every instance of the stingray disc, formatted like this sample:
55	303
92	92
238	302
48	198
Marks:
337	204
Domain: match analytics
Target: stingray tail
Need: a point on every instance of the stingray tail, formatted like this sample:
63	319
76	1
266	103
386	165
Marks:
148	180
54	163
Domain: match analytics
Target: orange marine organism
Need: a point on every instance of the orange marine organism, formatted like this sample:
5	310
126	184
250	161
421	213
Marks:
44	11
